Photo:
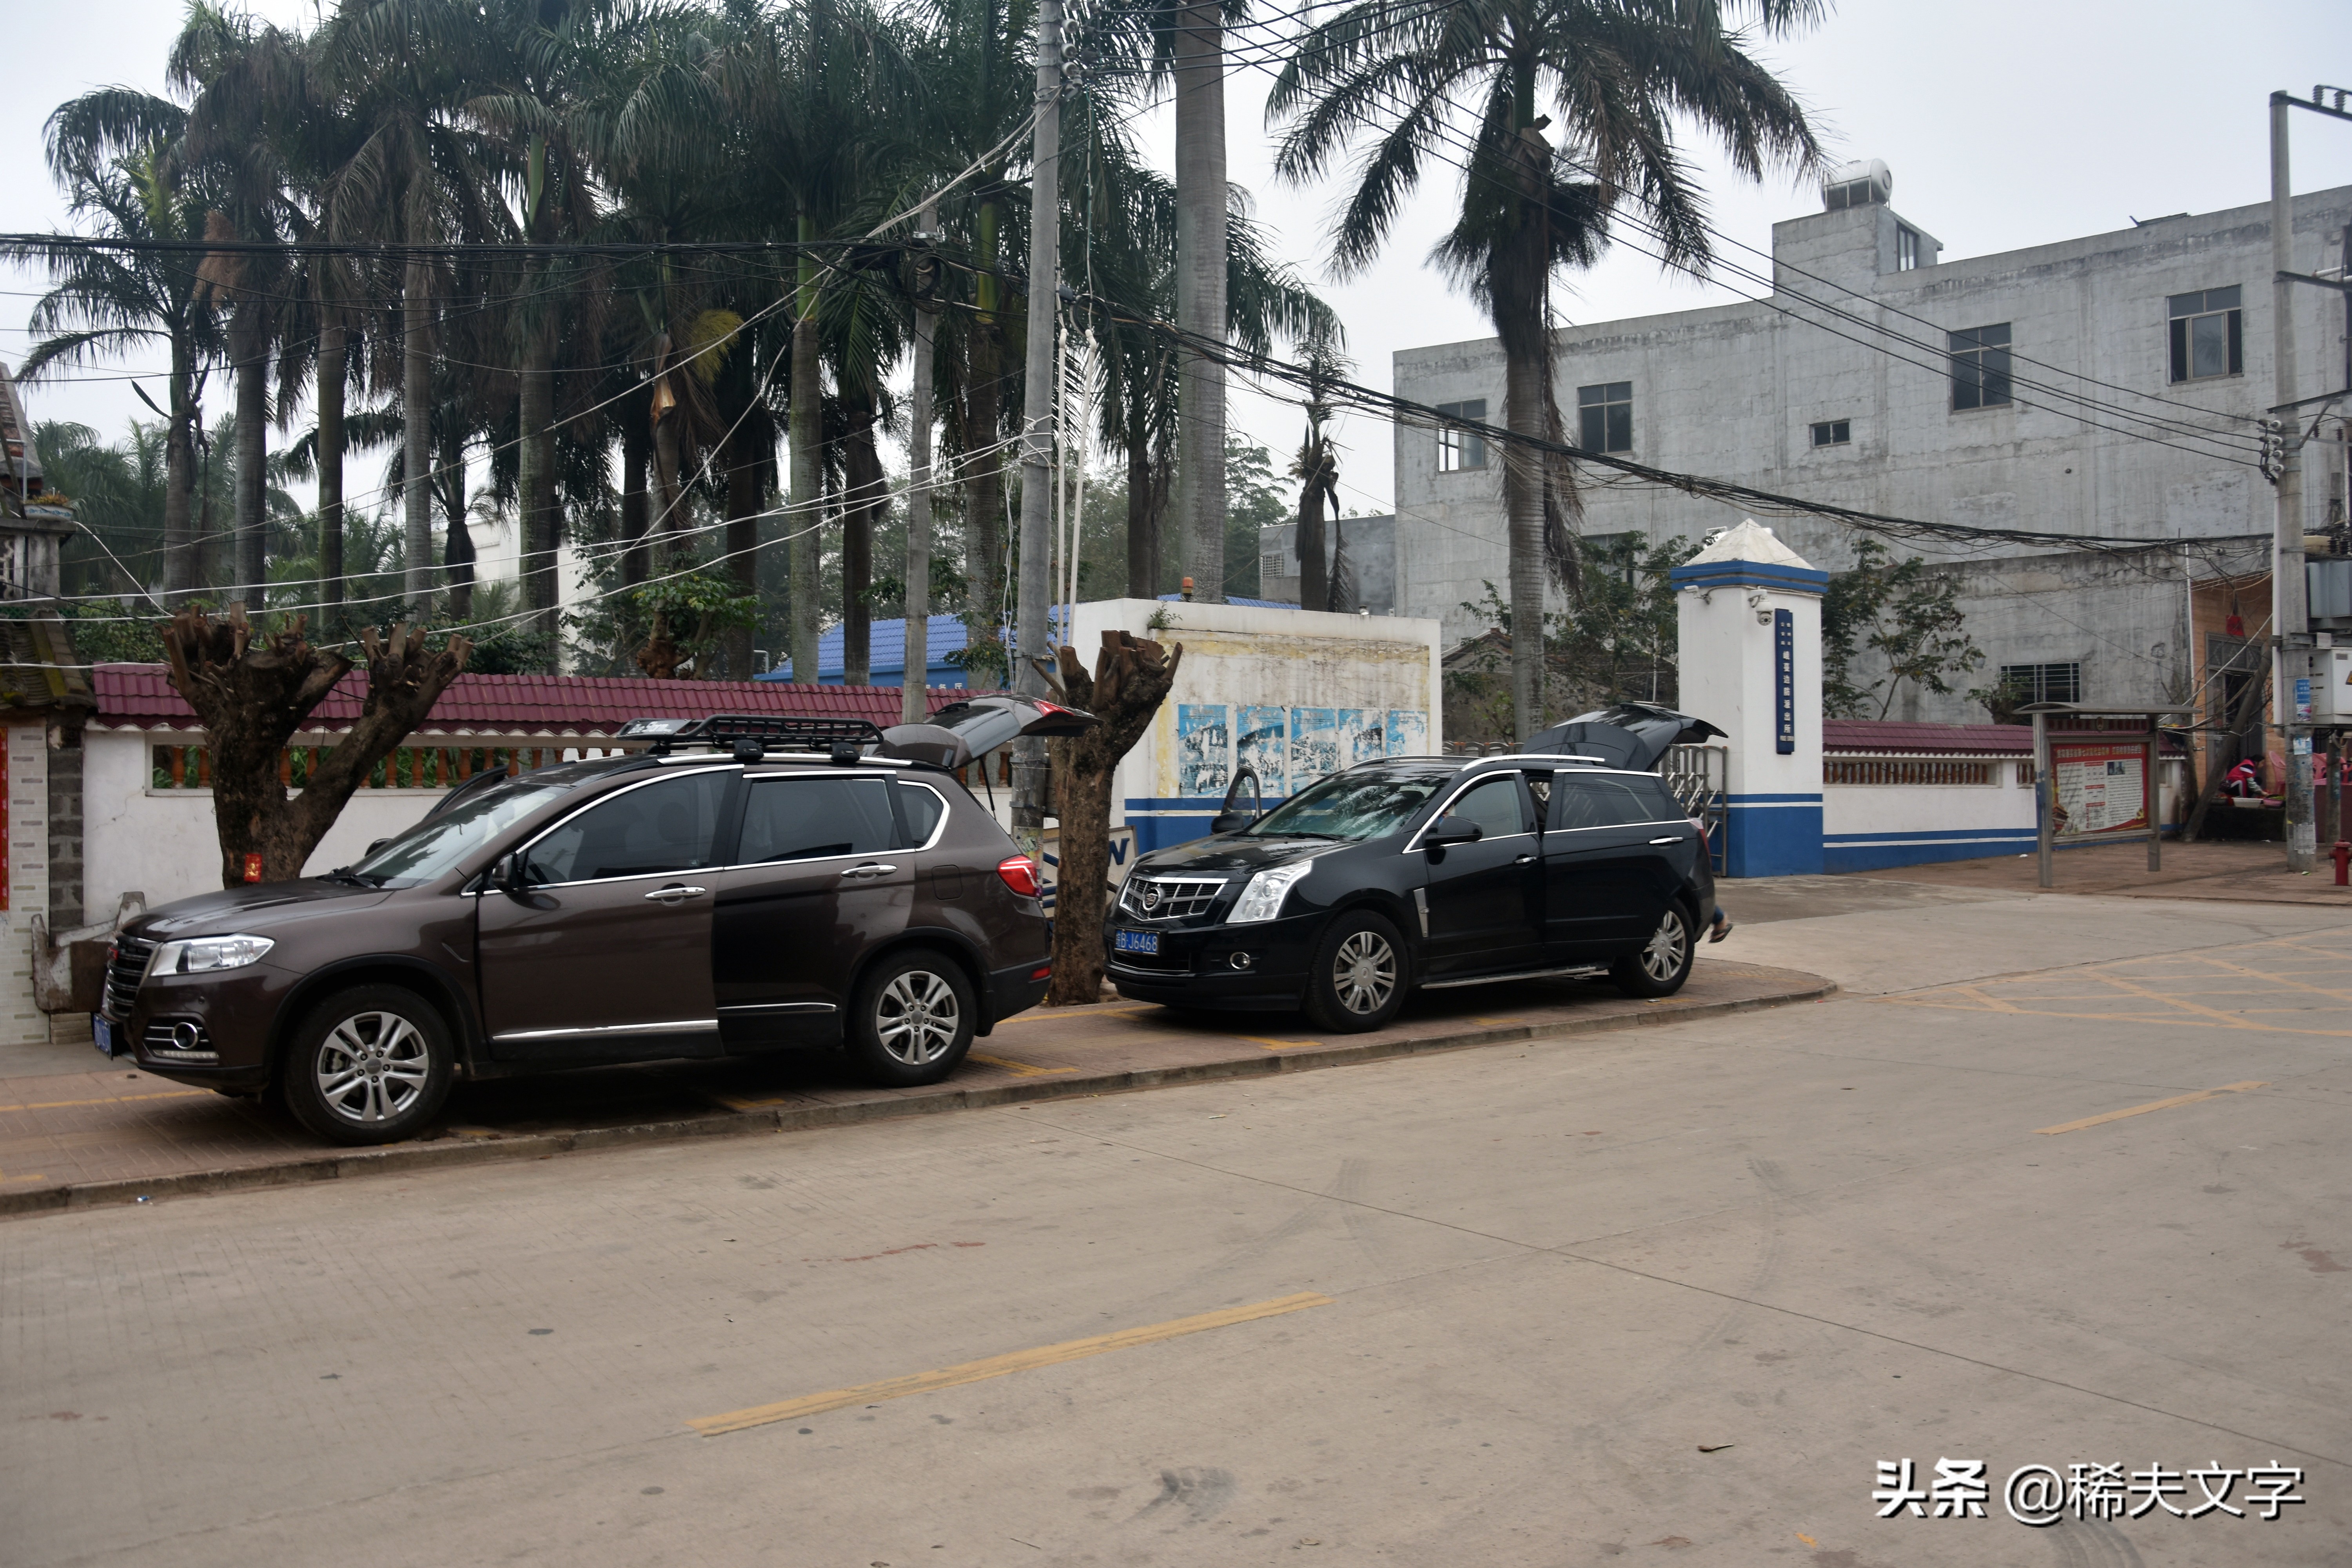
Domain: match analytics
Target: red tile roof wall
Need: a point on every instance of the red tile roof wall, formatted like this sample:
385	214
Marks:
140	696
1884	737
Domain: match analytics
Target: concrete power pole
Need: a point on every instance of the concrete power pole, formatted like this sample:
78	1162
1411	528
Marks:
1200	198
1037	420
914	692
2290	614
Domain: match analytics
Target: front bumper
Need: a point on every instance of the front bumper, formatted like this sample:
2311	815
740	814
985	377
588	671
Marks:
230	1015
1195	966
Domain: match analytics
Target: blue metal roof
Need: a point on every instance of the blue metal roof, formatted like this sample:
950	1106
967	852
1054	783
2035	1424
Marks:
887	647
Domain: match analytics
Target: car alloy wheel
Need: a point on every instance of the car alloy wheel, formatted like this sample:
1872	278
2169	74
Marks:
372	1067
1364	973
1662	961
917	1018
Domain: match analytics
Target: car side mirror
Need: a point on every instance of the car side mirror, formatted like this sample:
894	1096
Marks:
1448	830
1227	821
376	846
506	875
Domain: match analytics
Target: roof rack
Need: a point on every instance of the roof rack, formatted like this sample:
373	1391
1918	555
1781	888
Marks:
790	732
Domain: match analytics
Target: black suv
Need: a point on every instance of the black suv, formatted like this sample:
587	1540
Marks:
1421	873
709	897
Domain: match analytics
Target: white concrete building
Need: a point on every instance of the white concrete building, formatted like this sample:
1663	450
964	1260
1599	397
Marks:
2101	385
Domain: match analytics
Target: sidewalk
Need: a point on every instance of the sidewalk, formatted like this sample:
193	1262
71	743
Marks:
112	1134
2231	871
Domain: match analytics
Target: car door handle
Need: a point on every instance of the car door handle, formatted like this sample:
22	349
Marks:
1525	861
870	868
1677	839
677	893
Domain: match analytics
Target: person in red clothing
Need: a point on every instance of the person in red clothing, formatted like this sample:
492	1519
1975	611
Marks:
2243	781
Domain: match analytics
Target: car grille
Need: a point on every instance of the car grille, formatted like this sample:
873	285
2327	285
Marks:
1170	898
124	972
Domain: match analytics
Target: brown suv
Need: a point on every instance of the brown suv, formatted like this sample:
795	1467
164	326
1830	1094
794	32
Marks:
704	898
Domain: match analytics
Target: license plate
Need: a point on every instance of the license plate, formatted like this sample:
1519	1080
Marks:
101	1034
1139	942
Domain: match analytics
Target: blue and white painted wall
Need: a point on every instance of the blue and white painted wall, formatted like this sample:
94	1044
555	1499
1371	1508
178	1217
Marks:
1749	614
1291	694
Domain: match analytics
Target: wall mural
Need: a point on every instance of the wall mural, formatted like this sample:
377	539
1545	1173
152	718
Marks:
1203	748
1287	748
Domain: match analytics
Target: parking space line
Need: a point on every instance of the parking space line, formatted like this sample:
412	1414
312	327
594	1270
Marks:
108	1099
2153	1105
1277	1045
999	1366
1019	1069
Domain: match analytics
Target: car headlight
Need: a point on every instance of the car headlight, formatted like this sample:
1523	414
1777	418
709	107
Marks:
203	954
1262	899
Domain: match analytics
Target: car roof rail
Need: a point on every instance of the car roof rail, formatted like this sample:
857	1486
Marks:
783	731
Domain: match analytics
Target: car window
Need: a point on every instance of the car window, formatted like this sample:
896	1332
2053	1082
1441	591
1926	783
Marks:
1494	804
921	810
437	843
667	825
1361	804
1657	802
1584	800
806	819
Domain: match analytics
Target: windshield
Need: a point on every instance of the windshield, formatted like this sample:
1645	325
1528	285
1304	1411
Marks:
437	843
1353	806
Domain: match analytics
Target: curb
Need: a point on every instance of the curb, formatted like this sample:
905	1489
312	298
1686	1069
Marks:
400	1159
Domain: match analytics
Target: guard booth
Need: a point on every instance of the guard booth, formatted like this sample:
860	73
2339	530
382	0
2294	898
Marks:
2096	780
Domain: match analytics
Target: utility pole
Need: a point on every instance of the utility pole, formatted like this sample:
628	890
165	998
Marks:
1201	226
914	681
1037	421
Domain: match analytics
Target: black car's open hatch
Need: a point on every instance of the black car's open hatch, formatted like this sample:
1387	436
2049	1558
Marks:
958	734
1628	735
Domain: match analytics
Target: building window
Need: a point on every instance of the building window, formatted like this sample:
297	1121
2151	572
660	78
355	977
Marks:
1832	432
1458	449
1907	248
1606	416
2208	336
1981	367
1269	567
2044	682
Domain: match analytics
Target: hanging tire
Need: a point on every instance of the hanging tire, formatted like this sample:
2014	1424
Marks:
369	1064
1360	975
912	1019
1663	962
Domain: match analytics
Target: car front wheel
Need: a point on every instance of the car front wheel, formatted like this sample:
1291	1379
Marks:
370	1065
1358	980
1664	963
911	1020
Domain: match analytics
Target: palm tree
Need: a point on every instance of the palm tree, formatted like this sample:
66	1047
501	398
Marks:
116	153
400	71
1417	77
1317	469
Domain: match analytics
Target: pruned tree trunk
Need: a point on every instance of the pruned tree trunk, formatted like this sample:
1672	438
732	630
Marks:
252	694
1132	676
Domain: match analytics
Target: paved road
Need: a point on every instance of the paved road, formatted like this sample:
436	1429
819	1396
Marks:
1493	1307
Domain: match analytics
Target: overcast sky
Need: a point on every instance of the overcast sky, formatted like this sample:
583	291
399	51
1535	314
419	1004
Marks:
2007	123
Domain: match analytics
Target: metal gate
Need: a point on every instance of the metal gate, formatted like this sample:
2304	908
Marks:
1695	775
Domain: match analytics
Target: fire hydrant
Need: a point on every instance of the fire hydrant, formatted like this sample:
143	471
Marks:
2343	853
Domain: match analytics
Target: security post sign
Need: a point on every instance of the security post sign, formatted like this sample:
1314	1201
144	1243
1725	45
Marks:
1784	683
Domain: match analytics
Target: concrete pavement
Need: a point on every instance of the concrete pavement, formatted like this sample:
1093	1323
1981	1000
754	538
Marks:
1661	1295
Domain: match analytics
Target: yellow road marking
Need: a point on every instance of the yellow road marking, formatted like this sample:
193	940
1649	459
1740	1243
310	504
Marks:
107	1099
35	1176
2152	1105
1277	1045
1019	1069
1053	1017
999	1365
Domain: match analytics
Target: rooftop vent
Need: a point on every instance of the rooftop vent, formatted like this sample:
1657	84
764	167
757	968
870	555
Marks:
1858	185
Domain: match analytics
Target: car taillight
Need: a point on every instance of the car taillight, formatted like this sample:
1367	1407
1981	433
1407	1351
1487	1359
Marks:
1019	875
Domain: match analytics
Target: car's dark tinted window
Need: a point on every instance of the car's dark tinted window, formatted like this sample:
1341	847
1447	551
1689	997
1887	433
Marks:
805	819
1658	802
1583	800
670	826
921	810
1494	805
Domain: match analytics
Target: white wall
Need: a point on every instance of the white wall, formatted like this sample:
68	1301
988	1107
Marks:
21	1022
1867	826
1353	672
